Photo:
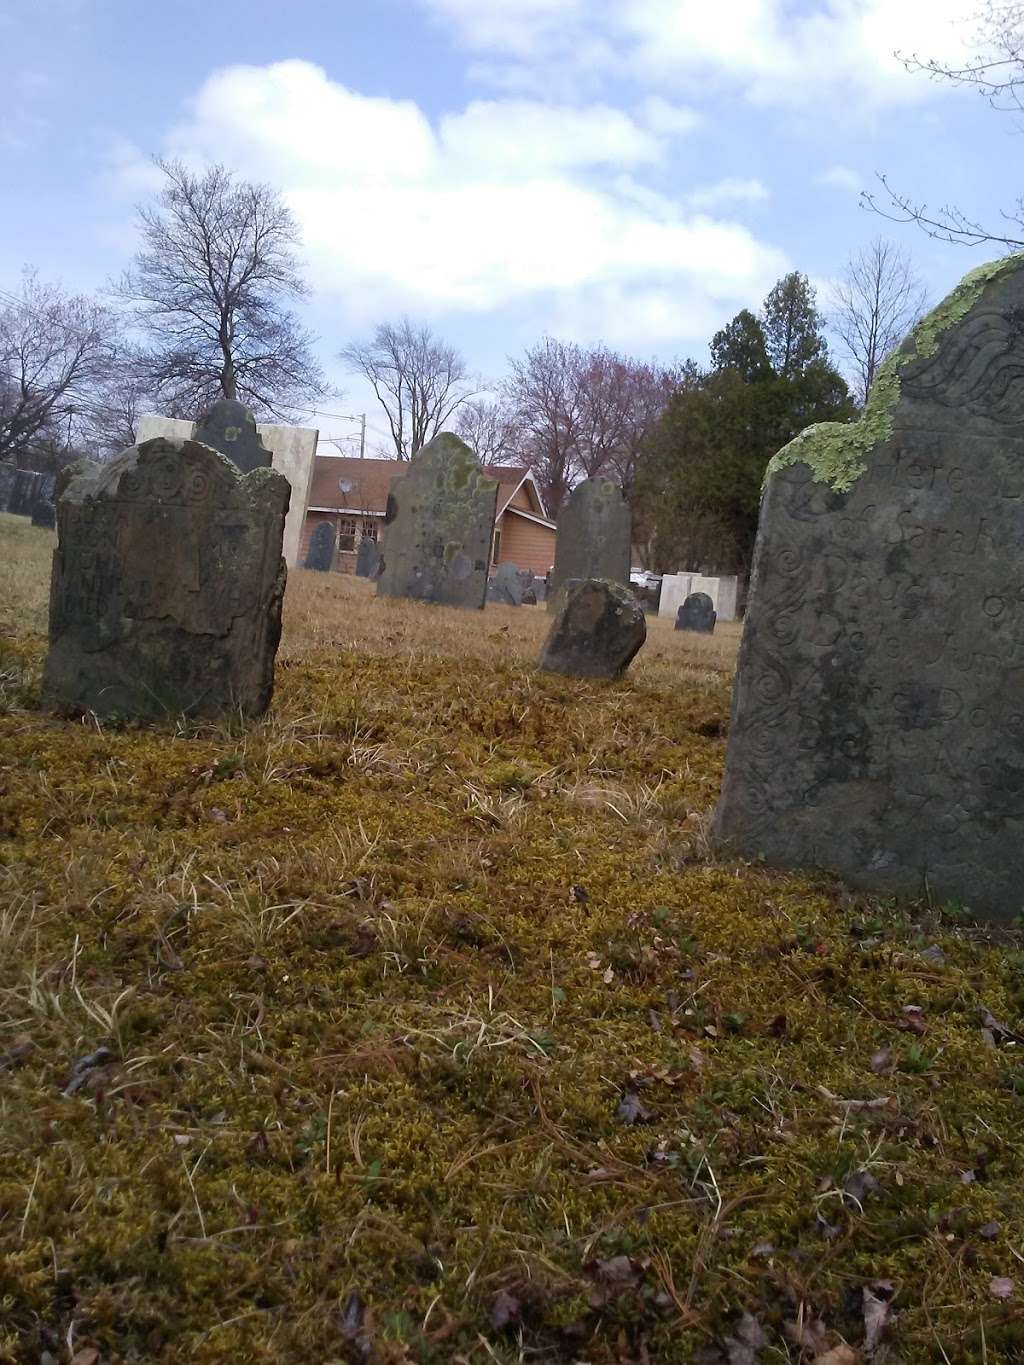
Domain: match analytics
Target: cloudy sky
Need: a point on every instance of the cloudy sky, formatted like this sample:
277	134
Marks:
632	171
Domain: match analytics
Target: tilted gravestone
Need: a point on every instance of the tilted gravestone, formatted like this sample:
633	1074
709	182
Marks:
438	527
367	558
593	538
320	555
230	427
8	473
597	631
878	712
697	613
509	585
167	585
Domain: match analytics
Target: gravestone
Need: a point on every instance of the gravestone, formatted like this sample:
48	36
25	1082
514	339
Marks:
593	537
509	585
367	558
697	613
438	527
597	631
7	476
167	585
230	427
320	555
44	513
23	492
878	711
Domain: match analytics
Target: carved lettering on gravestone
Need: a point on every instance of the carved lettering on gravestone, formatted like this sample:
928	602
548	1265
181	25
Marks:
167	585
594	535
878	711
439	526
230	427
697	613
320	555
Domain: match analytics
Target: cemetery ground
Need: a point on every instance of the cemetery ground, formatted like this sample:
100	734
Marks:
418	1022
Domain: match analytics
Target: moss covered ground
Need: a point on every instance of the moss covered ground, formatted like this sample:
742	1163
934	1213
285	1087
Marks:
418	1022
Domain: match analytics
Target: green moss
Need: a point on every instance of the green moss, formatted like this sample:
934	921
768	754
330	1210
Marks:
836	452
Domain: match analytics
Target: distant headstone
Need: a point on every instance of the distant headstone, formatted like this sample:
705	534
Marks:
593	536
230	427
597	631
878	711
367	558
697	613
44	513
23	492
438	527
167	585
8	474
320	555
508	586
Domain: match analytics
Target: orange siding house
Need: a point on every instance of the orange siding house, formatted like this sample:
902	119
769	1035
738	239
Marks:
353	495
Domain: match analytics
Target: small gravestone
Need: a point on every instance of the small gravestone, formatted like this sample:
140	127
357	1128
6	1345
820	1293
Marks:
44	513
230	427
878	711
598	630
438	527
367	558
23	492
167	585
593	537
508	586
320	555
697	613
7	477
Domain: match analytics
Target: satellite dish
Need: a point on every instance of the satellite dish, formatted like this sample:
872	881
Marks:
345	485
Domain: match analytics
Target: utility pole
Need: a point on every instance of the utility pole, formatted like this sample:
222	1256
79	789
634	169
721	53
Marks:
362	435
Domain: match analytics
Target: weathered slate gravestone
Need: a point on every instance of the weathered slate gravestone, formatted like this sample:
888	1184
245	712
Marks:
44	513
438	527
593	538
8	473
320	555
167	585
597	631
509	585
367	558
878	712
697	613
23	492
230	427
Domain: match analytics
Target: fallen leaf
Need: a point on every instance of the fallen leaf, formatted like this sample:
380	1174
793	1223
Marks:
881	1062
914	1020
632	1111
999	1032
88	1355
876	1312
826	1229
990	1231
617	1276
742	1348
1000	1287
218	817
15	1055
839	1355
858	1185
506	1311
934	955
579	894
808	1333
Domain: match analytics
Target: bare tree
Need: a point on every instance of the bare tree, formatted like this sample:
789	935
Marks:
109	419
544	393
55	348
209	288
488	428
419	380
996	72
876	301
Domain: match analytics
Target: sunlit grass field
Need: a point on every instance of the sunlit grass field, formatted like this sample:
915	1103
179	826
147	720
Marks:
418	1022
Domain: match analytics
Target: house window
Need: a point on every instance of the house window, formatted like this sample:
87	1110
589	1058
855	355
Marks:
496	547
369	530
346	534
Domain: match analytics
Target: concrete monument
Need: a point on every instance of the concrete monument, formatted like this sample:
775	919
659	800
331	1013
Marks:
878	711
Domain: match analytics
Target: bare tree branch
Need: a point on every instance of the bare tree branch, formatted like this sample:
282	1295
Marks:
873	305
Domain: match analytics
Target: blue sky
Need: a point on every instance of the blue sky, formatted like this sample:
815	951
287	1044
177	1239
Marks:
632	171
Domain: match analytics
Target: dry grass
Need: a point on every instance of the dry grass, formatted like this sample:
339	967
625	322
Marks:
418	1022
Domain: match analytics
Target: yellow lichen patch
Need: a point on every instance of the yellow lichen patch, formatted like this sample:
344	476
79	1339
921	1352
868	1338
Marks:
432	1026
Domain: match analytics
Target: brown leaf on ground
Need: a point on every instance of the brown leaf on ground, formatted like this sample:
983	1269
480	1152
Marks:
16	1054
881	1062
613	1278
506	1311
838	1355
913	1020
1000	1287
743	1346
998	1031
877	1309
632	1111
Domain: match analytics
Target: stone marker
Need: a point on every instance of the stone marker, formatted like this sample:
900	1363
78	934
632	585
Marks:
167	585
593	536
878	711
320	555
597	631
230	427
23	492
438	527
697	613
44	513
367	558
509	585
8	473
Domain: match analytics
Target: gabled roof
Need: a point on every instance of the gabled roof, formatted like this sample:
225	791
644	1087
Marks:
345	483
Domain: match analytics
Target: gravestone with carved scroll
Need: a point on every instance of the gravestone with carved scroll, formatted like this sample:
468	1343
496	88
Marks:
878	712
167	585
439	526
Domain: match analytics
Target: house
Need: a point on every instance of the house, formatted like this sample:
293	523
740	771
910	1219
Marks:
353	494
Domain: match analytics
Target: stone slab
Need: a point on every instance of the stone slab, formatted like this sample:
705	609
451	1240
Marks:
167	586
508	586
878	709
594	537
367	558
597	631
675	589
8	473
320	555
439	527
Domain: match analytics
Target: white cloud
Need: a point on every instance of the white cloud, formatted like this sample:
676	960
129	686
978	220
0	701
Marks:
841	178
505	205
731	190
844	54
